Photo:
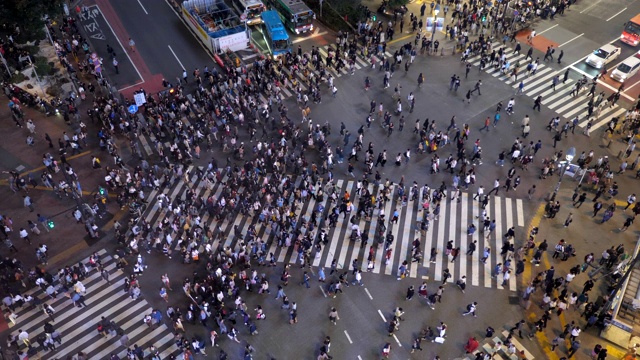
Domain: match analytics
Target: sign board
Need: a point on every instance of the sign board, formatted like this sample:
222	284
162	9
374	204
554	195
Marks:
439	24
429	24
233	42
243	17
133	109
139	99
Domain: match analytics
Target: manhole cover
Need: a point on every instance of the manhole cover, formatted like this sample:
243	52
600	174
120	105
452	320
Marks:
514	300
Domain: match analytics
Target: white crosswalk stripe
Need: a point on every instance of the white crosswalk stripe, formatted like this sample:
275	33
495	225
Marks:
77	326
560	100
451	224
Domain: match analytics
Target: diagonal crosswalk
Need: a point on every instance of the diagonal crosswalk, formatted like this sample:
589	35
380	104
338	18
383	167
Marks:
77	326
453	220
539	84
149	143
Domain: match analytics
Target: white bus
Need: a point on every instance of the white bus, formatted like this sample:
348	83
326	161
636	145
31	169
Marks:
249	10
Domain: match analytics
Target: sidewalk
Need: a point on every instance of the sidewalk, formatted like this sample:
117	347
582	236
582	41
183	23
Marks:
581	235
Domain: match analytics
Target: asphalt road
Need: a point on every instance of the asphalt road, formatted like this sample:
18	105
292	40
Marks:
365	329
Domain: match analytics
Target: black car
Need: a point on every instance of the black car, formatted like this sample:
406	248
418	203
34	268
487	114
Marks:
392	10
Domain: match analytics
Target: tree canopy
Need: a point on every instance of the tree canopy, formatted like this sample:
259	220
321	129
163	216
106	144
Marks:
27	15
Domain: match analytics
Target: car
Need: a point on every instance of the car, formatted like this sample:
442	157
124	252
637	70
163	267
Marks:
391	10
626	69
603	56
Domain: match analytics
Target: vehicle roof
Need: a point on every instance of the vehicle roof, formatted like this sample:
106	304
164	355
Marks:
636	19
608	47
296	5
630	61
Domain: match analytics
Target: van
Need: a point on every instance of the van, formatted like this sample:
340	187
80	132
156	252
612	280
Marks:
626	69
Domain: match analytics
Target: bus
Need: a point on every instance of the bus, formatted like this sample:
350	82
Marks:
295	14
249	10
275	34
631	33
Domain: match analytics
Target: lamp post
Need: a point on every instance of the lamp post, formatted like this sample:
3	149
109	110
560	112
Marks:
436	10
571	153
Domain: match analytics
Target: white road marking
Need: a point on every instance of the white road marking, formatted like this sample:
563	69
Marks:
145	10
589	7
368	294
616	14
382	315
520	212
123	48
397	341
541	32
568	41
603	84
176	56
348	337
321	289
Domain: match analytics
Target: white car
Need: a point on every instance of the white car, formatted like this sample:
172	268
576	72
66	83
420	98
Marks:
603	56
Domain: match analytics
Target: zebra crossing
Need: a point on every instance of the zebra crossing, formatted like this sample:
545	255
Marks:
77	326
452	223
539	84
287	92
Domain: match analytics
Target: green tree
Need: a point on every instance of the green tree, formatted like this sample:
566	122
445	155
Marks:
28	16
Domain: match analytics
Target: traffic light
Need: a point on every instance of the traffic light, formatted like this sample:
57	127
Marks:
101	190
483	18
50	224
374	17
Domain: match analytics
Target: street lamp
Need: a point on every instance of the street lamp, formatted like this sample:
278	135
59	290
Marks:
436	10
571	153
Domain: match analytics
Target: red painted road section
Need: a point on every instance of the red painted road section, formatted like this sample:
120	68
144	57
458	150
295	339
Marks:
539	42
152	82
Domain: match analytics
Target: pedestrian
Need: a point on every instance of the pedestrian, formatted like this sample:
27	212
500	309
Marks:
28	203
305	280
410	292
471	309
575	345
568	220
115	65
132	45
333	316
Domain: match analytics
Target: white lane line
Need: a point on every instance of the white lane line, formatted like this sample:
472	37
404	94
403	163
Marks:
321	289
176	56
634	84
589	7
566	42
359	357
396	339
616	14
120	43
368	294
308	37
348	337
475	260
145	10
382	315
541	32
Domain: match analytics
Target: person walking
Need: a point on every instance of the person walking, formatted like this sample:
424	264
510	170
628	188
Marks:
471	309
410	293
575	345
333	316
